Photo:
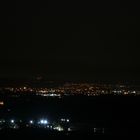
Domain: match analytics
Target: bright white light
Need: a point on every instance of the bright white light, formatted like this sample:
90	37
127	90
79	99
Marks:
43	121
31	122
12	121
68	120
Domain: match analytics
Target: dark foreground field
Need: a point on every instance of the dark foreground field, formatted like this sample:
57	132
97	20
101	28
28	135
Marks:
118	115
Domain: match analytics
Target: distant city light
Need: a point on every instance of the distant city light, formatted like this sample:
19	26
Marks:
65	120
58	128
71	89
1	103
62	120
51	127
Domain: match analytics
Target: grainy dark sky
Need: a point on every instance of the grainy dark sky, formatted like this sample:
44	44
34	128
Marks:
67	39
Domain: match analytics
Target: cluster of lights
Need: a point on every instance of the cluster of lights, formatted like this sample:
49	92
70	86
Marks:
58	128
88	89
40	123
65	120
43	121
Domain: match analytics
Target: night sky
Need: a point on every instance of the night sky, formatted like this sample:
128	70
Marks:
63	40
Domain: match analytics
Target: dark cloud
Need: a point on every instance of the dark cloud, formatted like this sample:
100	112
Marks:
98	39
